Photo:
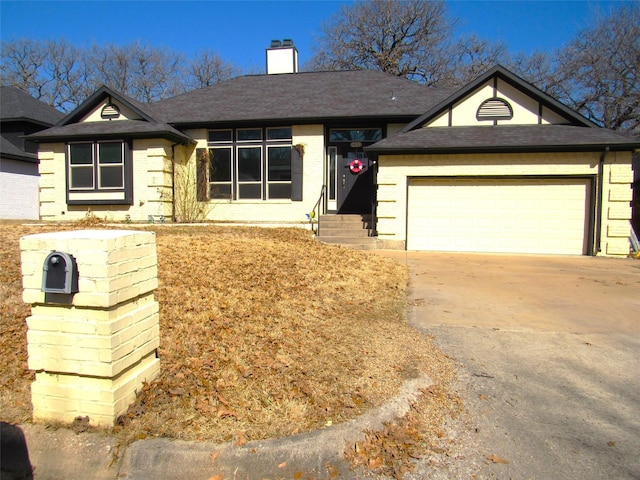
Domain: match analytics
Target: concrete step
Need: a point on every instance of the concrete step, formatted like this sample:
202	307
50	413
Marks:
332	230
369	243
346	230
344	225
347	218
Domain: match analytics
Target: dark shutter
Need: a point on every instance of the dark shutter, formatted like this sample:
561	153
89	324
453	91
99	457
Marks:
128	172
297	154
202	183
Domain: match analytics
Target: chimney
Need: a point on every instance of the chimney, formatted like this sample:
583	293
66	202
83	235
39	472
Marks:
282	57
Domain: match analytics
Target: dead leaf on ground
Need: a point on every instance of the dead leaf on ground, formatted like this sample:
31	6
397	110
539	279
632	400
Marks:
252	337
241	439
497	459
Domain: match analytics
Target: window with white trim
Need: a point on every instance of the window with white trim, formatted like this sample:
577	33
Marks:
250	163
98	167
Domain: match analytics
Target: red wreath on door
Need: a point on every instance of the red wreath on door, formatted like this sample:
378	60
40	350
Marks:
356	165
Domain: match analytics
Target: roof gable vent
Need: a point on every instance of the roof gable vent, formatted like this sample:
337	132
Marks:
110	111
495	109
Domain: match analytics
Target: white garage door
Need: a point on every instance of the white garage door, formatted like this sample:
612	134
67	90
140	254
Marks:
498	215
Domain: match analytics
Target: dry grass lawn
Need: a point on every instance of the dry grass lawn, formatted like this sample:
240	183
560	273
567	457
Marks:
264	333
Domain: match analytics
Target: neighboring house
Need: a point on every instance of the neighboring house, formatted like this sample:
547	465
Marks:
496	166
20	115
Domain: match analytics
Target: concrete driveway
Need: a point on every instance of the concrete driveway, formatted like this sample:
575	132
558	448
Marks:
549	350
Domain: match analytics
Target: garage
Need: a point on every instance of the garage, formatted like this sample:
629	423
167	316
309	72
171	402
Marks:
500	215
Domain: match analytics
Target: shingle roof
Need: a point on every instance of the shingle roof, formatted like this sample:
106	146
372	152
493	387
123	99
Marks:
17	105
96	130
9	150
302	97
503	138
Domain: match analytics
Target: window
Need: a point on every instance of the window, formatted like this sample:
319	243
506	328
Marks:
356	135
81	166
220	172
97	173
279	172
251	163
249	172
98	166
110	165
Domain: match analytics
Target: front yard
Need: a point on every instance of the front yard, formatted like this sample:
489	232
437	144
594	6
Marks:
263	333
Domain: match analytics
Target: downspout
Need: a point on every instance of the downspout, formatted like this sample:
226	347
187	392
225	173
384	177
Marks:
598	226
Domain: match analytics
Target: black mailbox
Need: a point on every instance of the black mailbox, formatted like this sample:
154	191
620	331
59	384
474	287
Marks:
60	273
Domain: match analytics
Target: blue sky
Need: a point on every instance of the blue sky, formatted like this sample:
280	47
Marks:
241	30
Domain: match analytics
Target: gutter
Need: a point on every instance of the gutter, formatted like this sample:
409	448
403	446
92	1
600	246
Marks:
598	225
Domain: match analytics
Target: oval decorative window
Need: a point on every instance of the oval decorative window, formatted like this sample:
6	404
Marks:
110	111
495	109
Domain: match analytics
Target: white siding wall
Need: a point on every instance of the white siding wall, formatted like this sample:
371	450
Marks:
19	197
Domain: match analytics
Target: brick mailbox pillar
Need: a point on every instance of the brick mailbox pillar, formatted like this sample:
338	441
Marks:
93	344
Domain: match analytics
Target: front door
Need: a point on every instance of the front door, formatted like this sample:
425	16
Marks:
355	180
350	174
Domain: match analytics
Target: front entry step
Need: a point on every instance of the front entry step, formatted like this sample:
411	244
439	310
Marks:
353	231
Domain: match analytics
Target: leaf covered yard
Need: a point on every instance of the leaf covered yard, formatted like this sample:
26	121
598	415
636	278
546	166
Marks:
263	333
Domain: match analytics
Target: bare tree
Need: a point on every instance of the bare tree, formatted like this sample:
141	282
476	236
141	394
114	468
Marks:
469	58
537	68
22	61
143	72
70	77
207	68
599	71
63	75
52	71
404	38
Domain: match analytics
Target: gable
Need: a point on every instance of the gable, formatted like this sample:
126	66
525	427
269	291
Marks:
108	114
524	103
110	109
525	108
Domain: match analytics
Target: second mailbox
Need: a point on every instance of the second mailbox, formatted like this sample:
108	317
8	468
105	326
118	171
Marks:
60	273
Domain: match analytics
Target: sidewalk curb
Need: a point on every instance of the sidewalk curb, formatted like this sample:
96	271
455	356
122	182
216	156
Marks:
60	453
311	453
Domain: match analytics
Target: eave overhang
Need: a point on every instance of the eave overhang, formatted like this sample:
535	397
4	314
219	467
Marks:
372	150
129	129
504	139
267	122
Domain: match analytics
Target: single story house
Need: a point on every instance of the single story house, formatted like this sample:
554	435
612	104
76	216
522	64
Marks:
20	115
495	166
